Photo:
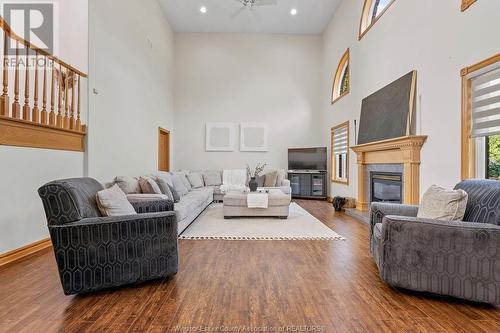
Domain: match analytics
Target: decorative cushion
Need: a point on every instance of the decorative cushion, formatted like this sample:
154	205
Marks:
441	204
149	186
175	195
113	202
270	180
261	180
195	179
147	197
164	186
129	185
212	178
183	177
179	186
281	177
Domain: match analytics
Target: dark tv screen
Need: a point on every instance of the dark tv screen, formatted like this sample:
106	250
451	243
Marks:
307	159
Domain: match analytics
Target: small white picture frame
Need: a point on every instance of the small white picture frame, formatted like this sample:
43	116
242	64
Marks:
254	137
220	136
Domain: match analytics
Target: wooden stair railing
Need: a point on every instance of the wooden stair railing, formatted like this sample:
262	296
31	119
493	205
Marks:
27	125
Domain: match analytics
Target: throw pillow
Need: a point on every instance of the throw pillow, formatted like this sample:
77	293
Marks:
440	204
281	177
149	186
261	180
271	179
183	177
164	187
175	195
179	186
113	202
167	177
195	179
212	178
129	185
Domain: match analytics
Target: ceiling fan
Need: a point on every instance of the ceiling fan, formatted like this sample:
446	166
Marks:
250	4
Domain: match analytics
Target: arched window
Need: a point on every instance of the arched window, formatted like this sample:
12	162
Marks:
372	11
341	82
466	4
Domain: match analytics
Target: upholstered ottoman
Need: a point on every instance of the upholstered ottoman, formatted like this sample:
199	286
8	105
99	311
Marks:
235	205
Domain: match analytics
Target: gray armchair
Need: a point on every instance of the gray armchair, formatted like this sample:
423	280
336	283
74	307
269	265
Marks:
460	259
94	252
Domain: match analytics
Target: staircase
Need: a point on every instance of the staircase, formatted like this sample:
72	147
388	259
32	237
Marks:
50	92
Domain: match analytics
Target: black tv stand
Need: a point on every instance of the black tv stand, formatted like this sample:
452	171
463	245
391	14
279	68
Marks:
308	184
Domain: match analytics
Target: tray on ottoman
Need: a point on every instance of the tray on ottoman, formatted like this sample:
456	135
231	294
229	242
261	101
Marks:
235	205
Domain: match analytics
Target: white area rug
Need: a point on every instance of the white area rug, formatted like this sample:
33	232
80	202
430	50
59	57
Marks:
300	225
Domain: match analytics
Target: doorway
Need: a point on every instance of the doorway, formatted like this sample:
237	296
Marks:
163	150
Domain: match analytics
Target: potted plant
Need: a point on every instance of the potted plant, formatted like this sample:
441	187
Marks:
253	184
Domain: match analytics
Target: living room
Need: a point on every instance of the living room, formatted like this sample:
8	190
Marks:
384	106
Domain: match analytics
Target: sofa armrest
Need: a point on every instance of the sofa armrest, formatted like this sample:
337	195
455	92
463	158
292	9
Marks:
100	253
453	258
152	206
379	210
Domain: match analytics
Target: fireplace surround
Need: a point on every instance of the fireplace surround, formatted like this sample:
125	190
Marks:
405	151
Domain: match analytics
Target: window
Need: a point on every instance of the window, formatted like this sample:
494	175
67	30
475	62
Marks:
466	4
372	11
481	120
341	81
340	153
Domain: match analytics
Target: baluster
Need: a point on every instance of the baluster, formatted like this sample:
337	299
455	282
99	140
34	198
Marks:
52	114
78	120
4	99
26	107
16	107
72	117
35	113
60	92
44	102
66	102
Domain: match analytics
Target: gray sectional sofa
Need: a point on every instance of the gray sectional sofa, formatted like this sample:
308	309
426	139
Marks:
193	202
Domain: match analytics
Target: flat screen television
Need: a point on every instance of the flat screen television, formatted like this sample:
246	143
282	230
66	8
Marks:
307	159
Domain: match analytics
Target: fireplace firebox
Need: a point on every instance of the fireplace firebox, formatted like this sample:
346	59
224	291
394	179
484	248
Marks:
386	187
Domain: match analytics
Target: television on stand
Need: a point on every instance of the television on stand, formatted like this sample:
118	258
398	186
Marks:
307	172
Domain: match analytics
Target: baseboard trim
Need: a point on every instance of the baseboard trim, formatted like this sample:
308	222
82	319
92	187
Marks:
24	251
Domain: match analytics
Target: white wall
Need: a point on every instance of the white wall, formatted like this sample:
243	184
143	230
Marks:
24	170
432	37
131	66
246	78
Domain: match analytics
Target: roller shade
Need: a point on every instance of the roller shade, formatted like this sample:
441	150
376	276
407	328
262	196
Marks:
486	104
340	141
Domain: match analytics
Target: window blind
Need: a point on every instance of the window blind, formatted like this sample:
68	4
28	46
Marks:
340	151
340	141
486	104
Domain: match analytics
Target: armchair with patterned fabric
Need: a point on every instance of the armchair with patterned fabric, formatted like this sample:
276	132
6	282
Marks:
94	252
459	259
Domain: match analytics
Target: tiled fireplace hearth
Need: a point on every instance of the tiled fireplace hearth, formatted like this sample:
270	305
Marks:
393	157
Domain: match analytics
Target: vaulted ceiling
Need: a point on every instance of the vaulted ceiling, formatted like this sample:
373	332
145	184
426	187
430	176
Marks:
312	16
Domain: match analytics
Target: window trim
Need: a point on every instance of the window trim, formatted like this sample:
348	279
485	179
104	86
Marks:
466	4
468	143
334	178
346	59
364	27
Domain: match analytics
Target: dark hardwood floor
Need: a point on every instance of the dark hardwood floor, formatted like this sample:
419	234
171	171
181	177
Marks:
331	284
